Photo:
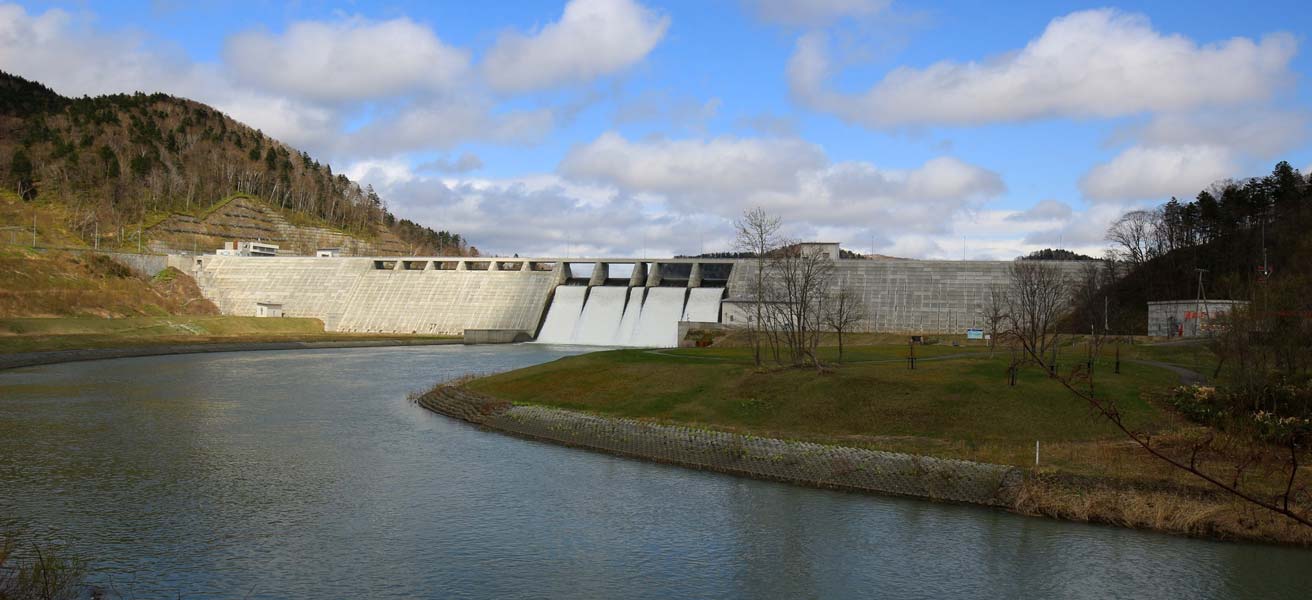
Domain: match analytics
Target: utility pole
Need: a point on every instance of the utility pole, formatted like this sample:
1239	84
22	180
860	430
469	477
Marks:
1199	304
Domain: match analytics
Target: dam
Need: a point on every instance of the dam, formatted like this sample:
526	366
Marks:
583	301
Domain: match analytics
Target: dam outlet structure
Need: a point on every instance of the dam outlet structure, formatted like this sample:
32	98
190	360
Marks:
585	301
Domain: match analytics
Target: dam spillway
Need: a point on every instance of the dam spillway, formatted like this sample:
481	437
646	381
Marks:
658	324
563	317
600	322
625	316
639	302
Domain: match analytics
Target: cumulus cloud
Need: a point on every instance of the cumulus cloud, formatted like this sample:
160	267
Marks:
1155	172
592	38
1097	63
793	178
813	13
719	165
1256	131
352	59
444	124
1044	210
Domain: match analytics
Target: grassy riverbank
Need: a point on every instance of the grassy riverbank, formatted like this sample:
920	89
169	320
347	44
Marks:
955	404
84	333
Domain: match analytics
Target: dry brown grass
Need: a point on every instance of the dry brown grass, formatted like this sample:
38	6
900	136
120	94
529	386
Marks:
55	284
1182	512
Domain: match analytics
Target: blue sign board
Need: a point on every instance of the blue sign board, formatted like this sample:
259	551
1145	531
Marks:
974	334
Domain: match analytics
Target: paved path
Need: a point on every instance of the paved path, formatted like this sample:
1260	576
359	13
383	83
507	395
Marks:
1187	376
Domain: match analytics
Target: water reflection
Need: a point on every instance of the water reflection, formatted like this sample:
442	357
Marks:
306	473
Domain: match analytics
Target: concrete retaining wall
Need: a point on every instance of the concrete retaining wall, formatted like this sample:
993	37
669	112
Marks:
763	458
144	264
496	336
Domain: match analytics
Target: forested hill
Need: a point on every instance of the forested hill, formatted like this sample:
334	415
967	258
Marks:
1252	239
121	159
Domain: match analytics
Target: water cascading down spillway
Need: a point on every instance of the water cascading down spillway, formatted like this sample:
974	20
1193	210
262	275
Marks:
658	325
563	316
703	305
599	324
615	315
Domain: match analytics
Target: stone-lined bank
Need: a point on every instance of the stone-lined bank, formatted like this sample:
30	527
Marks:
803	463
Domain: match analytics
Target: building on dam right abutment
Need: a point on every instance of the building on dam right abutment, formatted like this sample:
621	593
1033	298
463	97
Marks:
592	301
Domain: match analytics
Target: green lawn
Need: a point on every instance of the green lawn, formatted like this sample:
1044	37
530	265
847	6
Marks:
960	406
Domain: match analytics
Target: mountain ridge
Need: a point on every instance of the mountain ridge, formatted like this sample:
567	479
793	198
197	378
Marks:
119	162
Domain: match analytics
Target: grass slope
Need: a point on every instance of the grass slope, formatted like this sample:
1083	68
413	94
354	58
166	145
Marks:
941	407
57	283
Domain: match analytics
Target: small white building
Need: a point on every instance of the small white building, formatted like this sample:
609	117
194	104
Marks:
1187	318
328	252
268	309
247	249
830	249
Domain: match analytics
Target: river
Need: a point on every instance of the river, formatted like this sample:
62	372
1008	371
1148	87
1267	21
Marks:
307	473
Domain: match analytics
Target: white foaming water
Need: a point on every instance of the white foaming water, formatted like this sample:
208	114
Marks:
599	324
658	325
632	311
703	305
563	316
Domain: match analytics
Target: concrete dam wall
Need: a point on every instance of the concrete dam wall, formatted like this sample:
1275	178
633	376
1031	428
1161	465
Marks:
362	295
608	302
904	296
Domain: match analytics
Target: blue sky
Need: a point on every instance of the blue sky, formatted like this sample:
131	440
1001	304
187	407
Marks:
621	126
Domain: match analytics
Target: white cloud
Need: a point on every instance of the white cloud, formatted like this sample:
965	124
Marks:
792	178
348	60
812	13
720	165
1044	210
1257	131
384	172
1098	63
446	123
592	38
1156	172
64	51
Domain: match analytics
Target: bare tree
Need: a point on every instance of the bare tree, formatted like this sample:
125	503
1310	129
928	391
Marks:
1135	232
1037	296
994	314
757	234
797	286
843	311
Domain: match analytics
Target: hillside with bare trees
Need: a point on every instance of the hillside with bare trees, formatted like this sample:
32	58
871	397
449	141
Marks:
118	161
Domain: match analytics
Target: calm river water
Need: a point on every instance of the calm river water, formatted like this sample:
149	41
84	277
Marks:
308	474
